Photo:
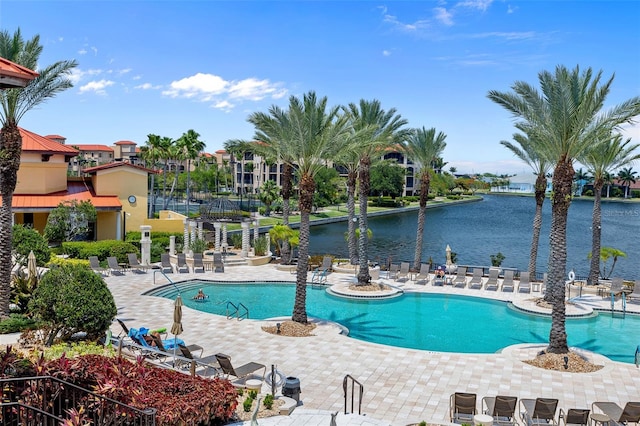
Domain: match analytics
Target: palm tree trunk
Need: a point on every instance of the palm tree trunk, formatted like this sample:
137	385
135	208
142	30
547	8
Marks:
424	195
363	241
307	188
165	201
562	180
287	181
351	209
596	220
10	148
188	184
152	193
541	187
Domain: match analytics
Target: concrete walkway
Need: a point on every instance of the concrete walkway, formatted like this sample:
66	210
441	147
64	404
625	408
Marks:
401	386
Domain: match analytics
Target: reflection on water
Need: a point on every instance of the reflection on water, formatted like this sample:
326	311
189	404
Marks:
497	224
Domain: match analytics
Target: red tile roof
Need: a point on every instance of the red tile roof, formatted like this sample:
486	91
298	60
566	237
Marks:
94	148
75	191
14	75
221	151
55	137
125	143
116	164
36	143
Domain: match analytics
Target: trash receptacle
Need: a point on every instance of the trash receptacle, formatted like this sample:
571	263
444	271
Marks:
291	388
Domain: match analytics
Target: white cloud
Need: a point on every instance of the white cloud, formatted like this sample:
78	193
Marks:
386	53
407	27
215	89
124	71
97	87
511	9
631	131
147	86
82	51
482	5
443	16
513	35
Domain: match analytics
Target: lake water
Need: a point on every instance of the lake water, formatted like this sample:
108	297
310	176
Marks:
496	224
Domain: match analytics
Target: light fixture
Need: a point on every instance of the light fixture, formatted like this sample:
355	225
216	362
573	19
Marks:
566	362
277	328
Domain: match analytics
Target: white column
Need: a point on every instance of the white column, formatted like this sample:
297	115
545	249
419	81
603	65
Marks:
119	226
216	227
145	244
224	235
193	228
245	239
256	230
200	231
172	245
268	237
186	244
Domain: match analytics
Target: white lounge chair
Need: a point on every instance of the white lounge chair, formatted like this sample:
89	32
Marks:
423	275
461	277
524	286
403	273
476	279
492	282
507	281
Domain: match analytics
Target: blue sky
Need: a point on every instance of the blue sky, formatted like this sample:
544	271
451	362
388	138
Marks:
165	67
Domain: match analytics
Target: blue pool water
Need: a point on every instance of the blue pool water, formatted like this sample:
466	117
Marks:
437	322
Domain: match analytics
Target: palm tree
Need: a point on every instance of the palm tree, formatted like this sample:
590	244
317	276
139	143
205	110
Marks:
273	127
151	153
600	160
191	147
627	176
607	179
580	177
238	148
386	128
311	133
564	121
51	80
423	146
526	151
268	194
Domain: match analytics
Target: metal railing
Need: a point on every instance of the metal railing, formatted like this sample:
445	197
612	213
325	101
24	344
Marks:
240	311
45	400
345	385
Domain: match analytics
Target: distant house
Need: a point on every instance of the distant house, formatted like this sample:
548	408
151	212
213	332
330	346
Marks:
523	183
118	191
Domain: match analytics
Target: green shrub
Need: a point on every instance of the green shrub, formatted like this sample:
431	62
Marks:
198	245
588	193
454	197
246	405
120	250
268	401
634	193
26	239
77	349
260	246
102	249
16	323
72	299
59	261
253	394
235	239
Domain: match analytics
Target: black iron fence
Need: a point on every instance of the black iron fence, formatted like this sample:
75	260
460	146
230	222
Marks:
45	401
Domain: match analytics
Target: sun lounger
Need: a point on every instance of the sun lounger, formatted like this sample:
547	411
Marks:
492	282
476	279
403	273
440	276
619	415
182	266
423	275
635	294
461	277
135	265
94	263
539	411
524	286
501	408
208	362
114	267
218	262
198	262
507	281
462	407
147	349
394	268
241	372
574	417
165	263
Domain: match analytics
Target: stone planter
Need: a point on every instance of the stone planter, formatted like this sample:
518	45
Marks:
259	260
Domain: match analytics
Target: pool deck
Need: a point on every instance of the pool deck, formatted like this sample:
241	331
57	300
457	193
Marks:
401	386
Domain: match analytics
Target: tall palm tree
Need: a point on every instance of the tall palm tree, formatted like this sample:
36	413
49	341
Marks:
601	159
526	151
273	128
387	131
268	194
238	148
164	148
423	147
175	154
349	159
564	120
311	133
627	176
191	147
151	153
607	179
51	80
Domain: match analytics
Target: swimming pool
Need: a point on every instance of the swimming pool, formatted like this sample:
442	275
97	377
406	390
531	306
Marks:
437	322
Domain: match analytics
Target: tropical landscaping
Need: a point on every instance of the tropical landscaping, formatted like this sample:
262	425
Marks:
563	124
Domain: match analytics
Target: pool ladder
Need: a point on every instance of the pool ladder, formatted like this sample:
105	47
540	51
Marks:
238	311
